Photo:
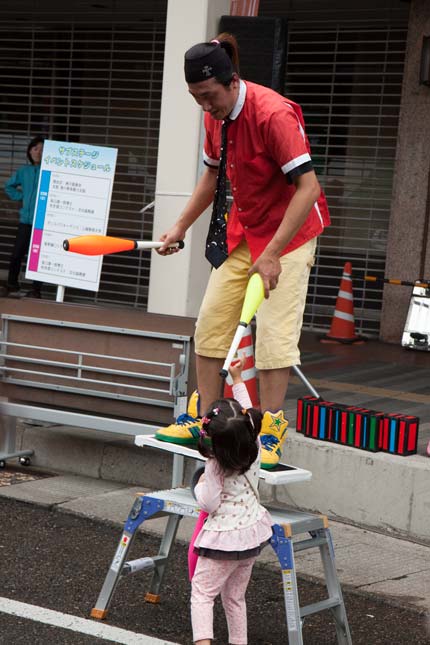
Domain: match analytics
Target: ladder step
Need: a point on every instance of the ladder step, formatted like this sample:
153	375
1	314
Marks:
143	564
309	544
320	606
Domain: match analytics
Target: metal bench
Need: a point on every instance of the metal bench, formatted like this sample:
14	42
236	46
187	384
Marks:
38	357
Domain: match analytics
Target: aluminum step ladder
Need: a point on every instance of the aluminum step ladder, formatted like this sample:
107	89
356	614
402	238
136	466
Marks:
177	503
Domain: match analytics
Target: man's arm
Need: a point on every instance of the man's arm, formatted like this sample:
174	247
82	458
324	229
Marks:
201	198
268	264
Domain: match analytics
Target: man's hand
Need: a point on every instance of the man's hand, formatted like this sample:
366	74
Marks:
175	234
269	267
268	264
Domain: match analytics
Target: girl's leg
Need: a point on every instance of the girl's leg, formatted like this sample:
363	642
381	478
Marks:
233	600
208	580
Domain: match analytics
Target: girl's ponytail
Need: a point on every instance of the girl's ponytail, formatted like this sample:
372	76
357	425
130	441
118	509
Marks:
255	425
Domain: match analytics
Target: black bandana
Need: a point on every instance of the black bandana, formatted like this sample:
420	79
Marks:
207	60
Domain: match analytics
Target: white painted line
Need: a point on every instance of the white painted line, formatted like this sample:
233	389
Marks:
75	624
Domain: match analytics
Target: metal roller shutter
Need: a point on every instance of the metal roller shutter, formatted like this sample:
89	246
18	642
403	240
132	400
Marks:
92	73
344	67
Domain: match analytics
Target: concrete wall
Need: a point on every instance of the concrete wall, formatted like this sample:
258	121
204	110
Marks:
381	491
408	253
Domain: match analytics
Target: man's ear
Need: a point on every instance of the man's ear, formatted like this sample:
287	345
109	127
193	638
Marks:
235	80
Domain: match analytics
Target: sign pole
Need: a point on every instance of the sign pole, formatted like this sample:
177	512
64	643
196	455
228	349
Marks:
60	293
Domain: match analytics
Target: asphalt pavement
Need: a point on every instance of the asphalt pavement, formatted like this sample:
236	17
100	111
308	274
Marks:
56	556
59	534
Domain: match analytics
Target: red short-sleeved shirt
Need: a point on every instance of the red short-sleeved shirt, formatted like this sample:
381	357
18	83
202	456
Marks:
267	147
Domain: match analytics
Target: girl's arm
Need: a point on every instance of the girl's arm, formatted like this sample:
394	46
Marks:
241	394
240	391
208	490
11	187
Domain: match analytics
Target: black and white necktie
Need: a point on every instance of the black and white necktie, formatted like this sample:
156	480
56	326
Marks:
216	241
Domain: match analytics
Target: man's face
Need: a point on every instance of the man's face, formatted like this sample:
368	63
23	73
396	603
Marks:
215	98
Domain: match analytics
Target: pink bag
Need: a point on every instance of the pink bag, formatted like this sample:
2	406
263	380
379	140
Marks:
193	557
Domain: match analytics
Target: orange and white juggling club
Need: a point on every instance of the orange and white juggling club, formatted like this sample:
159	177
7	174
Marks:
105	245
253	298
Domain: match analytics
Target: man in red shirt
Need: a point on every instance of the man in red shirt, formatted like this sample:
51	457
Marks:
278	211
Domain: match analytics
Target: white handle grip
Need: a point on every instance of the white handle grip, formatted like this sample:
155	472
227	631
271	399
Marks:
140	245
240	332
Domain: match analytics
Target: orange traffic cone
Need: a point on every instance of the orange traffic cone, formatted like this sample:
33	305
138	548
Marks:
342	328
249	375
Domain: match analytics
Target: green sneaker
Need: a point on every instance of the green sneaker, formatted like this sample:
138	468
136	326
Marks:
193	408
272	436
186	429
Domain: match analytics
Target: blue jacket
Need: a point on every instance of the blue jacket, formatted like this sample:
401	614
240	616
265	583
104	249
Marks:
22	186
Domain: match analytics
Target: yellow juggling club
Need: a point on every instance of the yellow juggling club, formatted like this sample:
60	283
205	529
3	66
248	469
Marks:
253	298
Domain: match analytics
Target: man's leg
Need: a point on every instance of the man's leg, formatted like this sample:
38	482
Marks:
279	323
273	388
209	381
216	325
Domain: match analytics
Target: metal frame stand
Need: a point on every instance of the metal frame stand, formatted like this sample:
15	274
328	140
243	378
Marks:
305	381
178	503
284	547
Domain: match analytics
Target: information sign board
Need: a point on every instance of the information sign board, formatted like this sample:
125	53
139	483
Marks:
73	198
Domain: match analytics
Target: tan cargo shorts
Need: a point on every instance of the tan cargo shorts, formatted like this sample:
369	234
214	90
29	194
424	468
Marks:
279	318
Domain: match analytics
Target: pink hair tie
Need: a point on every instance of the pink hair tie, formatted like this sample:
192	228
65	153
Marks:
216	41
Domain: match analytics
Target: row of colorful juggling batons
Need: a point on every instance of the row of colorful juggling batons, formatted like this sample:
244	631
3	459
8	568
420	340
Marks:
357	427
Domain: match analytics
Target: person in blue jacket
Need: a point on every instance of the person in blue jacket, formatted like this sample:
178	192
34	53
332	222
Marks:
22	187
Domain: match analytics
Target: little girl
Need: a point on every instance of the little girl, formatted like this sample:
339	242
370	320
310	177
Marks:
237	527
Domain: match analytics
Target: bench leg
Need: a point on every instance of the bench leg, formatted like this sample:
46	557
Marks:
178	470
8	442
